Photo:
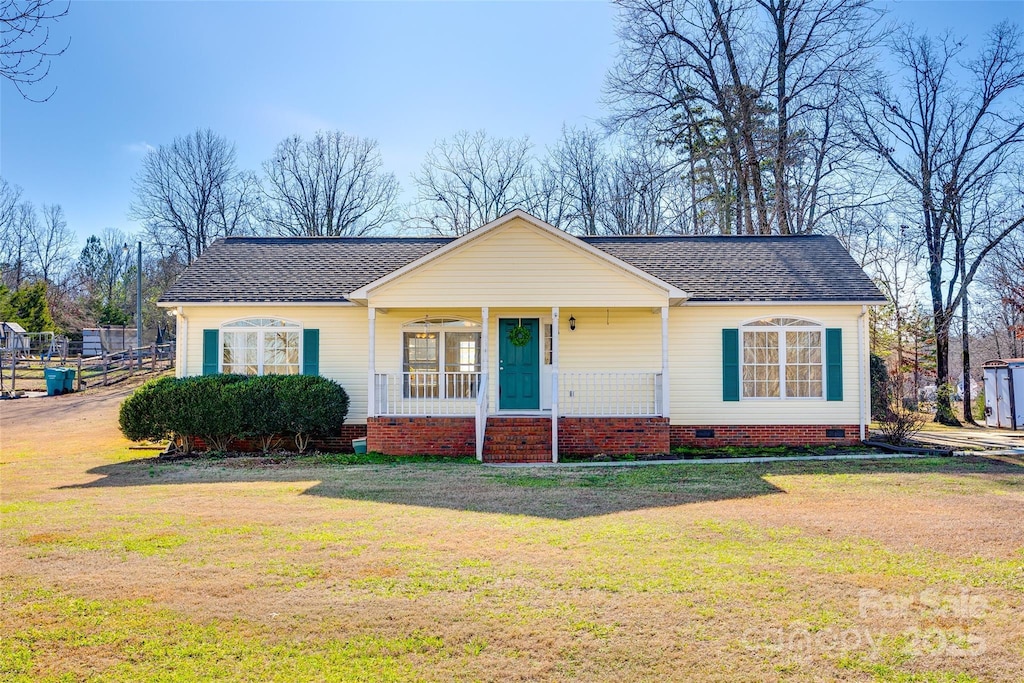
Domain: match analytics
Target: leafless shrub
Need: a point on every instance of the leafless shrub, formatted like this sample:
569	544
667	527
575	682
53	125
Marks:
898	426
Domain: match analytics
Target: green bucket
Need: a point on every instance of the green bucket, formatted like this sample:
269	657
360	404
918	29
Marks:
359	446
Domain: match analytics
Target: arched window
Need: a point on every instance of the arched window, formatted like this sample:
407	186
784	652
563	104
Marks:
261	346
782	358
441	358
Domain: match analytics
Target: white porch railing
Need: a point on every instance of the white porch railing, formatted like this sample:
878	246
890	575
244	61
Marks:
427	393
609	394
481	416
465	394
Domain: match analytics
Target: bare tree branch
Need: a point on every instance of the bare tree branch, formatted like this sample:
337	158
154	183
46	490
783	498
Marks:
25	49
330	185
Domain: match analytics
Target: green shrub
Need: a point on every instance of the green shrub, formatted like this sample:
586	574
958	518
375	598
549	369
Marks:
311	406
979	407
143	415
220	408
203	409
261	417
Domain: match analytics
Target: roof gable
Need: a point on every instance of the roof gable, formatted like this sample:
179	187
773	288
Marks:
523	243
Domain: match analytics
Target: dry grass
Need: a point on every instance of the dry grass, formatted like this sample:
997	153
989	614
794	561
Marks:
119	567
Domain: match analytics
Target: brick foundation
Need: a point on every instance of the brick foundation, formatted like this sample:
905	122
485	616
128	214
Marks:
528	439
339	443
342	442
762	435
612	435
454	436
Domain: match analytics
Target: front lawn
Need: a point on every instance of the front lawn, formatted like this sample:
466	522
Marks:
121	567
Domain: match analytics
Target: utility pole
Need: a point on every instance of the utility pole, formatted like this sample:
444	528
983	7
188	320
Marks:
138	302
138	297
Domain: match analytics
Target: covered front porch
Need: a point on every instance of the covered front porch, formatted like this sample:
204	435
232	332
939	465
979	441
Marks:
517	382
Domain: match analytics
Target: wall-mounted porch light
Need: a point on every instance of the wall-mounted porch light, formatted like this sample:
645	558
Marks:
572	322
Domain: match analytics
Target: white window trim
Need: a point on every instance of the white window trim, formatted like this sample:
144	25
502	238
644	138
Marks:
780	330
224	327
419	325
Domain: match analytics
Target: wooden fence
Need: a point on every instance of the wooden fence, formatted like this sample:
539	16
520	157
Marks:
18	373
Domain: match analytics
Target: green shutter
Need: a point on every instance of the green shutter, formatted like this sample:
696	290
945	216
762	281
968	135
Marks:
211	351
834	364
311	352
730	365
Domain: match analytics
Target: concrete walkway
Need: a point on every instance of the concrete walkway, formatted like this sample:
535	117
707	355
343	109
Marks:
710	461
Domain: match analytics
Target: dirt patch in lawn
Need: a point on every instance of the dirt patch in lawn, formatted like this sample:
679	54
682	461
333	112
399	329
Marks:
126	567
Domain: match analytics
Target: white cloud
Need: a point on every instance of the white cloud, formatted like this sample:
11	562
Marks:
283	121
139	147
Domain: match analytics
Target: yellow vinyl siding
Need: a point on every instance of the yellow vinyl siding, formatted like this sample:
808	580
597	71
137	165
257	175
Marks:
517	265
610	340
344	344
695	368
605	339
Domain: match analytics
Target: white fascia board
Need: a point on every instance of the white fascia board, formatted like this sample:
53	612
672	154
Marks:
674	293
784	302
174	304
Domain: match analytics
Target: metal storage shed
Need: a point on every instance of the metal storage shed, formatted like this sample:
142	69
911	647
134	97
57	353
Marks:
1004	393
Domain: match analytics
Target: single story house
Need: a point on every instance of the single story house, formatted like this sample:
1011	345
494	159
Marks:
518	341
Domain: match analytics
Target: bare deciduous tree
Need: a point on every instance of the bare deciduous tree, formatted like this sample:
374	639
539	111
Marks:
743	87
679	57
333	184
639	190
469	180
15	248
581	165
11	235
822	50
952	146
50	243
25	49
190	192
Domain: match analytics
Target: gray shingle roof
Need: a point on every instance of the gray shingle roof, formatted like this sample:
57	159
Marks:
720	268
746	268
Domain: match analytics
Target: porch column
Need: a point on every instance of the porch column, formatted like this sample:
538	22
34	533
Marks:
664	362
554	383
485	336
483	406
371	374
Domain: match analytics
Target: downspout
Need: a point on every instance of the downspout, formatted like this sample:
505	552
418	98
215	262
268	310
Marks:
182	342
861	321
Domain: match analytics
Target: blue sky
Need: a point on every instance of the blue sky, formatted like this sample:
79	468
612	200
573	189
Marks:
406	73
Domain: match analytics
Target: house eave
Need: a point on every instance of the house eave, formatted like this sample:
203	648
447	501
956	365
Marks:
777	302
211	303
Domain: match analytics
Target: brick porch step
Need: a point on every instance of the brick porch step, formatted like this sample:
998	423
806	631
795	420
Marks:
517	439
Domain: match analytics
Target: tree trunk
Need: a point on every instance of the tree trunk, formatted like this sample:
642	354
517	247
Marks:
965	343
782	135
943	405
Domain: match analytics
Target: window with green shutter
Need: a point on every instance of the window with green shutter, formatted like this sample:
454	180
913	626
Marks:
261	346
781	358
211	352
834	364
310	352
730	365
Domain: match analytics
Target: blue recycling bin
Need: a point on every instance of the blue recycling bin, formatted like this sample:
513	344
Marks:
54	381
69	380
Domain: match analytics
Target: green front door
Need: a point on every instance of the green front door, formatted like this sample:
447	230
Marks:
518	366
